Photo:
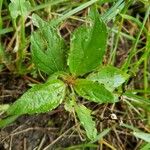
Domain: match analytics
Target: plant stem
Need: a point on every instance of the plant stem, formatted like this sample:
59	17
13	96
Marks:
22	45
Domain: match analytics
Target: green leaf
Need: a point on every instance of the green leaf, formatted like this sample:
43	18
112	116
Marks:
5	122
111	77
39	99
112	12
142	135
48	48
58	75
101	135
145	146
93	91
19	7
69	104
38	22
84	115
130	127
88	45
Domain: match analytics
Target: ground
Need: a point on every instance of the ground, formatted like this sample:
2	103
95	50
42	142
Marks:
58	129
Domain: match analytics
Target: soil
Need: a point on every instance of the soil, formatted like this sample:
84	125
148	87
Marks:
57	129
27	132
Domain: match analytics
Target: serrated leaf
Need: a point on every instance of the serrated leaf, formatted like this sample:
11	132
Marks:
84	115
142	135
39	99
93	91
110	76
88	45
19	8
48	48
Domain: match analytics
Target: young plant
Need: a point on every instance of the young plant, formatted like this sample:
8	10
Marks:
81	74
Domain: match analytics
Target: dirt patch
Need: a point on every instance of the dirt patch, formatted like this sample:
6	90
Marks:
57	129
29	131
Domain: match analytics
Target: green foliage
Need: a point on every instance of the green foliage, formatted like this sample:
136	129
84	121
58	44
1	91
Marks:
48	48
145	146
7	121
143	136
87	48
110	76
40	98
84	115
93	91
69	105
19	8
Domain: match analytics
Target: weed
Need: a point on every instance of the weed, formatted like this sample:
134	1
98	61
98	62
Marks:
78	72
86	77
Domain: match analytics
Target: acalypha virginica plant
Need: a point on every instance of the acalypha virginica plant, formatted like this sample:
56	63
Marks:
74	73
